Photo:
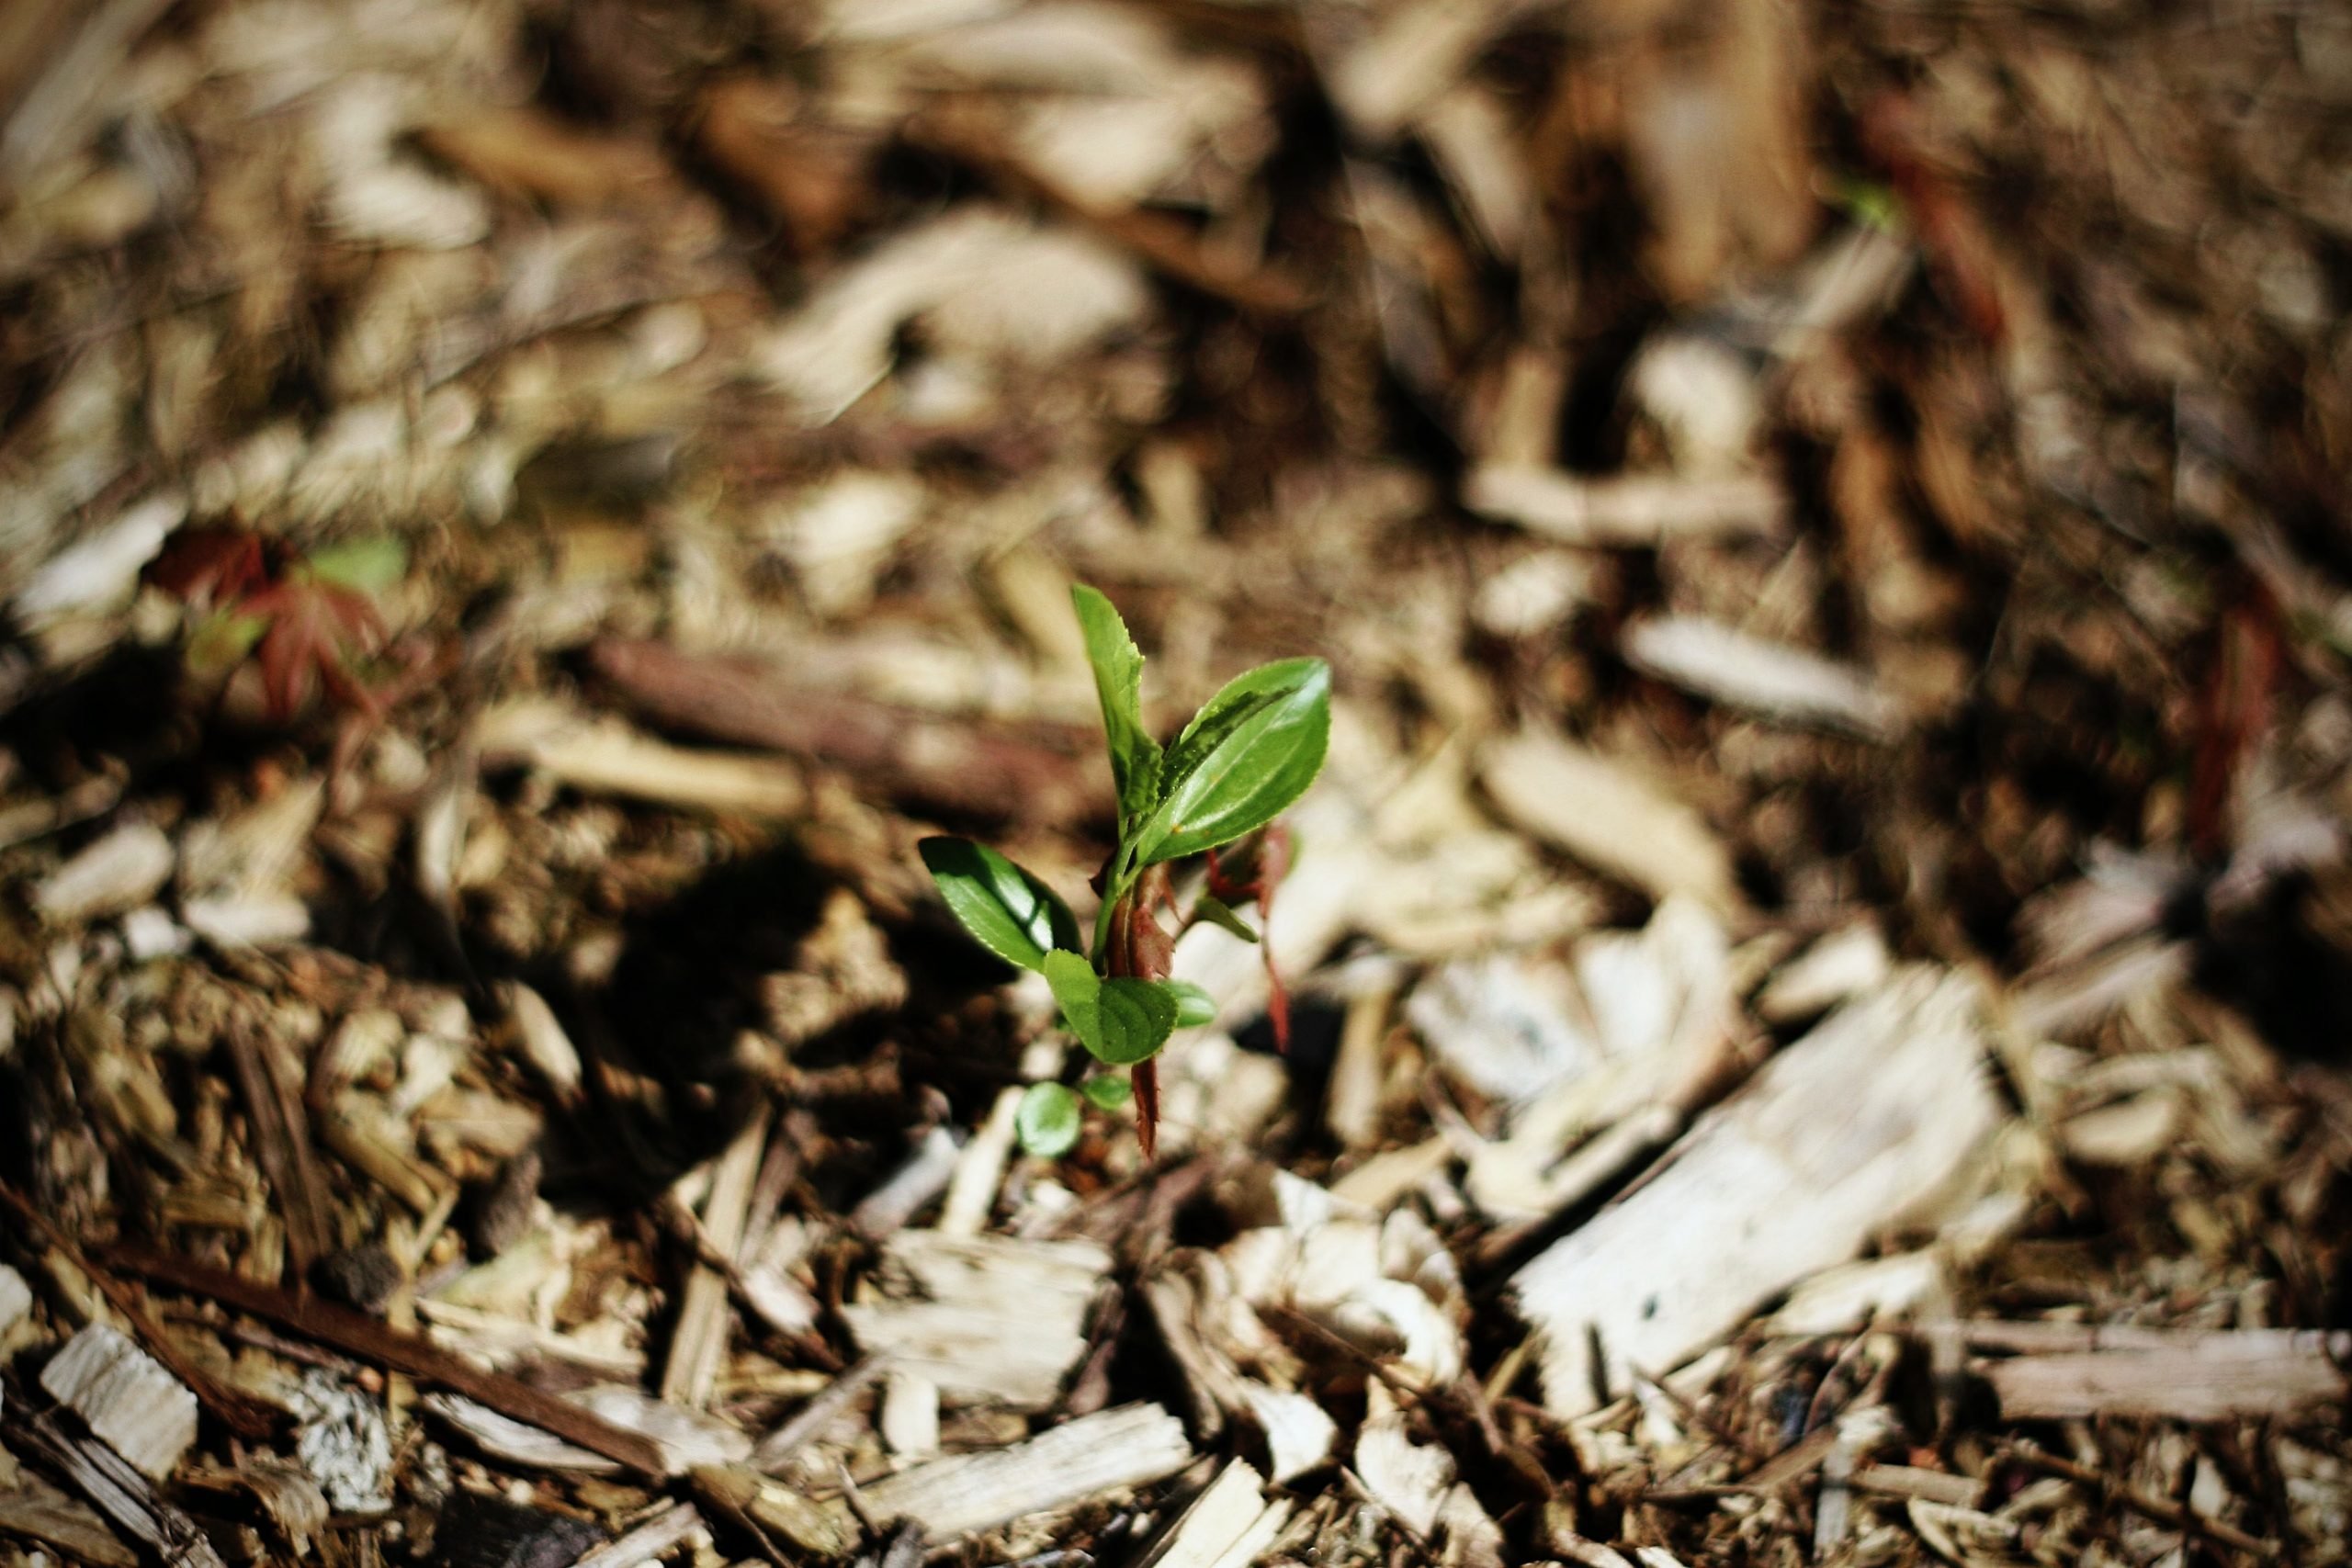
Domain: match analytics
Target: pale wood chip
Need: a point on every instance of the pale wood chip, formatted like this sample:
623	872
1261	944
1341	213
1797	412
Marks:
120	871
1630	510
984	1317
1132	1446
609	756
145	1414
1610	817
2188	1376
1831	1141
1772	680
1227	1525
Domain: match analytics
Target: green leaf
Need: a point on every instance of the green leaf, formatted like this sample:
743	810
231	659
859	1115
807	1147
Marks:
1121	1022
1049	1120
1242	761
1107	1091
373	566
1009	912
222	638
1218	912
1118	680
1194	1005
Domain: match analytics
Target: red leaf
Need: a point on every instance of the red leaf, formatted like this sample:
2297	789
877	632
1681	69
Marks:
220	564
312	625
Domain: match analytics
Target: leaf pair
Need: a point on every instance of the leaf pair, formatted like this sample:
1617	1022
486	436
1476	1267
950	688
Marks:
1243	760
1024	922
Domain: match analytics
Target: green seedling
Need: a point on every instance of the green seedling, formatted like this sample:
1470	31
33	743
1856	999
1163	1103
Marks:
1210	794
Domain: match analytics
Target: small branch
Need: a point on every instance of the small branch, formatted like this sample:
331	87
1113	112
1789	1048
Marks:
1032	772
372	1341
2163	1510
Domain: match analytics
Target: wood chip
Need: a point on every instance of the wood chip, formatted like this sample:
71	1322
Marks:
910	1420
1230	1525
686	1440
145	1414
120	871
1633	511
979	1168
121	1493
2187	1376
1132	1446
1299	1435
1829	1143
15	1299
778	1447
33	1508
606	756
1408	1480
1772	680
647	1542
1910	1481
1840	966
983	1318
1609	815
698	1340
924	1177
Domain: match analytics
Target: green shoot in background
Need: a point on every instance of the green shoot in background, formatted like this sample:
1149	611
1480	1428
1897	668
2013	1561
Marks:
1211	792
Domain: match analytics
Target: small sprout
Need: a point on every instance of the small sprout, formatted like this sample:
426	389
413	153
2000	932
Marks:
1107	1091
1194	1005
304	620
1243	760
1049	1120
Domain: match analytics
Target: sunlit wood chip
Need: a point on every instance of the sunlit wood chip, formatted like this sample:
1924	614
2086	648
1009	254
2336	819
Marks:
1226	1526
983	1318
1876	1109
1134	1445
1609	815
120	871
1771	680
1629	509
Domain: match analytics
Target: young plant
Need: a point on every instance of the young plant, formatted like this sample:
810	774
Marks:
1242	761
302	620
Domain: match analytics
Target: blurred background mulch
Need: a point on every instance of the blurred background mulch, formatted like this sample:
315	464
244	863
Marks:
1823	952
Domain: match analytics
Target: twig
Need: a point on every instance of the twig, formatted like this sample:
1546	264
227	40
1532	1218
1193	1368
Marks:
1030	770
366	1337
2163	1510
